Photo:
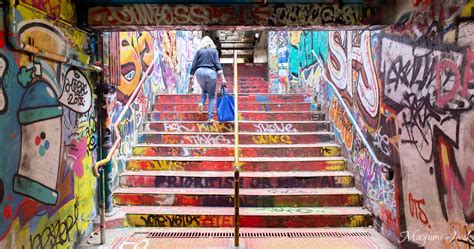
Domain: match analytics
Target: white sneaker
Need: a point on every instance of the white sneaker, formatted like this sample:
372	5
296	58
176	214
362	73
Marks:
211	120
200	107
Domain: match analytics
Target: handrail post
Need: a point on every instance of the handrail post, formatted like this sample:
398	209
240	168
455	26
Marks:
100	164
236	156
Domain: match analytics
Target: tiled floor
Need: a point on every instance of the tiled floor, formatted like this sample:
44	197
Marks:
136	238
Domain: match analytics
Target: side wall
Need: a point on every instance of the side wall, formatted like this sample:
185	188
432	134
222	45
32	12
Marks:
410	88
174	51
48	139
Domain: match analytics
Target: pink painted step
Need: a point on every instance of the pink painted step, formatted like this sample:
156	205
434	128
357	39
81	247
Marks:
172	163
244	115
228	138
186	107
152	216
249	180
263	98
246	150
244	126
223	197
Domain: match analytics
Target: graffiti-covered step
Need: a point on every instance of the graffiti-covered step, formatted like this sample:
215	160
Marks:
263	98
262	91
224	179
246	150
244	126
173	163
223	197
153	216
153	137
243	115
187	107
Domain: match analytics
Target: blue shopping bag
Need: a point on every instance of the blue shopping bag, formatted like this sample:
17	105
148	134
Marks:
225	106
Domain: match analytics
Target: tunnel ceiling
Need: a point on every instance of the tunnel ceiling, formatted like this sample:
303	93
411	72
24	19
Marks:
107	15
108	2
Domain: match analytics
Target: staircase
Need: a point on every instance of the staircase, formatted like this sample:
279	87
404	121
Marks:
292	173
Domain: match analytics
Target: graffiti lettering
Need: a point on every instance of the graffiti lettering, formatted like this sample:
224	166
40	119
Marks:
176	127
166	165
268	15
272	139
194	182
76	92
364	77
220	221
215	127
382	142
158	220
341	122
57	233
207	139
416	209
274	127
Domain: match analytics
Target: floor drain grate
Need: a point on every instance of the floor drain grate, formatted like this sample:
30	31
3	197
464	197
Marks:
196	234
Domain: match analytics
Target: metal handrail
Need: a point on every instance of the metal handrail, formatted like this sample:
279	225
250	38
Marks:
104	161
387	169
236	157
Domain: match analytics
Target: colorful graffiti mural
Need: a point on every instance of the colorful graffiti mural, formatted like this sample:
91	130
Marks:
412	97
174	51
48	135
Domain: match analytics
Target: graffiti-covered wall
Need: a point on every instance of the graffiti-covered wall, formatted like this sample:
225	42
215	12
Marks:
48	139
291	63
174	52
410	88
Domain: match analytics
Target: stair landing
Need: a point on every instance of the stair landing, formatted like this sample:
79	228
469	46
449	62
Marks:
250	238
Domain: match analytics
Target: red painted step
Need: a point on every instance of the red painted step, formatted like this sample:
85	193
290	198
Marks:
247	85
153	216
244	115
193	107
262	98
224	179
242	91
244	126
247	150
228	138
223	197
172	163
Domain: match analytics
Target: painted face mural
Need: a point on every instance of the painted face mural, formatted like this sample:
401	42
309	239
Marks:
130	66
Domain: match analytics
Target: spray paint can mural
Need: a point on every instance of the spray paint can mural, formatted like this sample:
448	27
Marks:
40	118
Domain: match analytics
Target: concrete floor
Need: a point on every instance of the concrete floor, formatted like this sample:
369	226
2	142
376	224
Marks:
136	238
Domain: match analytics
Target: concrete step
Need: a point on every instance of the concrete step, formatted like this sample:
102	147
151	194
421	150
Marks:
186	107
244	126
224	179
263	98
172	163
246	150
244	115
223	197
153	137
152	216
